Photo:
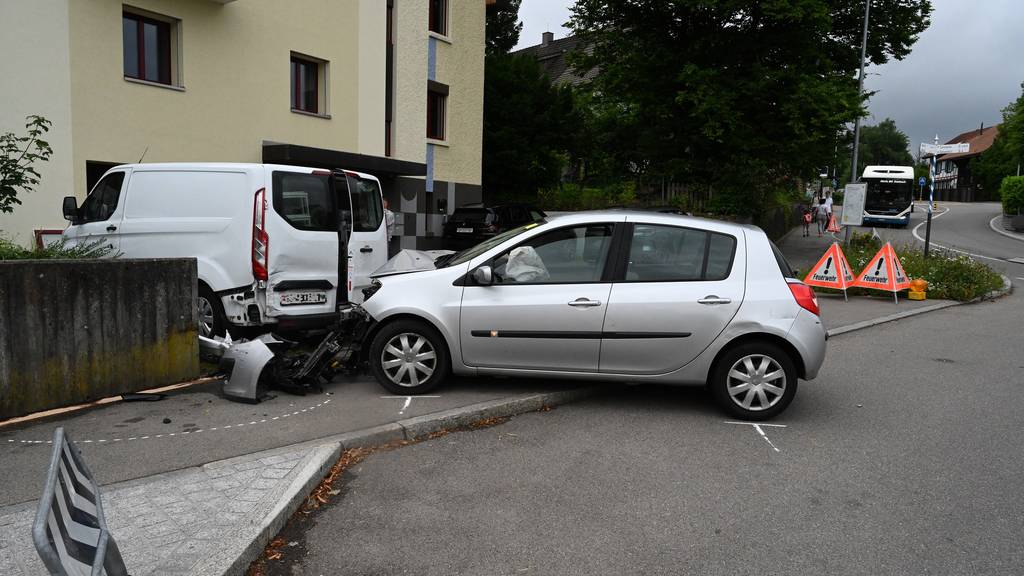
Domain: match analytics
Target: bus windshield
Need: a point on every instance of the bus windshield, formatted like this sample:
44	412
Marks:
888	194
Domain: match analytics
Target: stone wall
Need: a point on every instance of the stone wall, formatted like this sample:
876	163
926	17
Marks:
73	331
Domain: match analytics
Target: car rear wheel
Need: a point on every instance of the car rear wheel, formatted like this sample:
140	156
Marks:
211	314
409	357
754	381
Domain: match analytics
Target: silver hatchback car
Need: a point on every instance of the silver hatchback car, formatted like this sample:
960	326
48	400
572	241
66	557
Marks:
627	296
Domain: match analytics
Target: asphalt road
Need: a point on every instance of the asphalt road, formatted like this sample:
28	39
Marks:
903	457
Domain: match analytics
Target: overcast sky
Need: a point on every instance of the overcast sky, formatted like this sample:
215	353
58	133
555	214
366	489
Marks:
964	69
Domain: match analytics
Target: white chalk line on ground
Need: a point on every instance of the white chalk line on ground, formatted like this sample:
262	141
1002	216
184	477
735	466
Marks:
183	433
757	426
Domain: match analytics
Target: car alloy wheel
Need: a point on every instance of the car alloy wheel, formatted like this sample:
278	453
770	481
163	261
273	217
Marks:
207	318
408	359
756	382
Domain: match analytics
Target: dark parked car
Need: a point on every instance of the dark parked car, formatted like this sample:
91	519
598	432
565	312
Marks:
471	224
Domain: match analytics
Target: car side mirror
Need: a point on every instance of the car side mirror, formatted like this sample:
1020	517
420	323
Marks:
483	276
71	209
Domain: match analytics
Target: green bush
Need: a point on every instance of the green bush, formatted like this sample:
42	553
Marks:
950	276
1012	193
576	197
56	251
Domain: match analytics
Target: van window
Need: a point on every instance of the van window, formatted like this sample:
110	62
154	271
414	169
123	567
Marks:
305	201
102	202
367	209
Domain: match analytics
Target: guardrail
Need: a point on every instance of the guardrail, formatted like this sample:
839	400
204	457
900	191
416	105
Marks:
70	531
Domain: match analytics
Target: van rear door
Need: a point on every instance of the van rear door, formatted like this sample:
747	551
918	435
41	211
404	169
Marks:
302	243
368	245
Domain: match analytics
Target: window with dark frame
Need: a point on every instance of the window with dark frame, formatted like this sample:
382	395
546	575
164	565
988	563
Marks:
305	82
439	16
147	48
437	104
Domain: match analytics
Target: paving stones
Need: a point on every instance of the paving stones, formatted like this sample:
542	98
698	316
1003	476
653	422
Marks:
194	521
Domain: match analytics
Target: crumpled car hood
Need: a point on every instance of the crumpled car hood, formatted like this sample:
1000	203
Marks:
409	261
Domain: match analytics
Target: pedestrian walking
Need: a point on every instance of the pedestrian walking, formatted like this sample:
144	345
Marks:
822	216
828	202
806	217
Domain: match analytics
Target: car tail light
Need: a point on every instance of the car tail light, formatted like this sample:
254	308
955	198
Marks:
805	297
492	228
260	240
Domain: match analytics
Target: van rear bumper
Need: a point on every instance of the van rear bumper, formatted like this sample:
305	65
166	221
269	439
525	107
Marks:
306	321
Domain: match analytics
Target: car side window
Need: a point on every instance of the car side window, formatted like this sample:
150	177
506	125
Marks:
563	256
367	207
536	215
675	254
305	201
102	202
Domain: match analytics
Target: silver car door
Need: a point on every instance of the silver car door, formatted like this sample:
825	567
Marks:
546	306
680	289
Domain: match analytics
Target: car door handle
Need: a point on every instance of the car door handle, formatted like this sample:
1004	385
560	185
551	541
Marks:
111	228
366	249
584	303
713	300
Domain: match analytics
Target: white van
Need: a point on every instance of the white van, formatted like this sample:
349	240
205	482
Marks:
275	245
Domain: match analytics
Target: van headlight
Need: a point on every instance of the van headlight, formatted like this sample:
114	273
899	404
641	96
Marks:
371	289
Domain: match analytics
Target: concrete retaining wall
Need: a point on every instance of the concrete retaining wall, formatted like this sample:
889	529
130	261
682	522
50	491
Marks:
72	331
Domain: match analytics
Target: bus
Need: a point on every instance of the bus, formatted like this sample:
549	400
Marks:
890	195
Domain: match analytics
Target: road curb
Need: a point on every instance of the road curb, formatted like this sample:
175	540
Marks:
998	230
323	458
1006	289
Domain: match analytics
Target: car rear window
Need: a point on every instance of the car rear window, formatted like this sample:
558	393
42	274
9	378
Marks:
305	201
470	215
784	266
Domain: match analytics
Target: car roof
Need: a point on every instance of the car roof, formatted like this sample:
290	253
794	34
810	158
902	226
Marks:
622	215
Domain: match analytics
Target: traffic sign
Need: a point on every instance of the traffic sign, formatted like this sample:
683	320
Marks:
958	148
853	204
921	181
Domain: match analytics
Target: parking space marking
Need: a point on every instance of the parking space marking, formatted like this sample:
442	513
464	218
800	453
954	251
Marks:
408	401
182	433
757	426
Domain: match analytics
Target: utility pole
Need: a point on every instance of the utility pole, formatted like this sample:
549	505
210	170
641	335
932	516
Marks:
860	92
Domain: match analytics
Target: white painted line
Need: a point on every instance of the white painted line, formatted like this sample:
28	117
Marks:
757	427
999	230
941	247
403	397
408	400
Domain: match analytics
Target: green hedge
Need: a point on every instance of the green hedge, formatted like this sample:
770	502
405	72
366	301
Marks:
1012	193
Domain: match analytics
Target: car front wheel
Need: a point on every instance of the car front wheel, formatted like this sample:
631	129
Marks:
754	381
409	357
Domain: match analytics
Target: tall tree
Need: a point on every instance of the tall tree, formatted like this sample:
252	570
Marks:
528	126
503	26
738	94
1006	154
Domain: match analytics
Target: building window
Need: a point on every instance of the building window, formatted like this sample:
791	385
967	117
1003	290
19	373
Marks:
149	45
309	85
439	16
437	104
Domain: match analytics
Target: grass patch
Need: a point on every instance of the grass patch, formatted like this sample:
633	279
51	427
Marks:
56	251
950	276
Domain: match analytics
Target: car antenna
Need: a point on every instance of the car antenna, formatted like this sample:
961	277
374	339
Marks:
143	155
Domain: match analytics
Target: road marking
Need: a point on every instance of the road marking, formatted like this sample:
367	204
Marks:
182	433
408	400
941	247
757	426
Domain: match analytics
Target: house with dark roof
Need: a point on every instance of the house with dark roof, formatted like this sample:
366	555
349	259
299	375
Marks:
953	178
552	55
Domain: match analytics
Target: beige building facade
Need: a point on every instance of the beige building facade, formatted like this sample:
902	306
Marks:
389	87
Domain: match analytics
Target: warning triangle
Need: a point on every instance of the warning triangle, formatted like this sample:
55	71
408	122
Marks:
832	271
884	272
832	226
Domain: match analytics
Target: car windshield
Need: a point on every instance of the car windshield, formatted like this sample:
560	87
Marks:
470	253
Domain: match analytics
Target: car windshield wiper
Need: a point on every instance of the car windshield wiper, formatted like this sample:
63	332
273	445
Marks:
443	259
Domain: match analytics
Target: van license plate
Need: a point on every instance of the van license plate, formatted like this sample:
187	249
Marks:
295	298
464	230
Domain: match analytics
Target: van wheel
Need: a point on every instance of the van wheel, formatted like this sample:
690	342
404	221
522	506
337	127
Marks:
211	314
754	381
409	357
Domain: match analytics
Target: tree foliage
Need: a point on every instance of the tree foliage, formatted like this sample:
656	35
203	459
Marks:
503	26
528	125
18	157
1007	150
738	95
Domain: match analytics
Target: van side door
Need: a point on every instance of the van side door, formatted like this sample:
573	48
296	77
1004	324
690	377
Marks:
368	243
100	215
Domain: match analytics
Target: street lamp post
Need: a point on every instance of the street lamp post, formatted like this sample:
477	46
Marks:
860	91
